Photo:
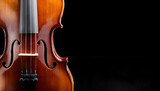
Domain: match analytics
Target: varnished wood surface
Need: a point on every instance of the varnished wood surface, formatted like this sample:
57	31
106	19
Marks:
49	18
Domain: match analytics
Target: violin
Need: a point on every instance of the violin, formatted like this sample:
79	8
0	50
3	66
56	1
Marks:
30	61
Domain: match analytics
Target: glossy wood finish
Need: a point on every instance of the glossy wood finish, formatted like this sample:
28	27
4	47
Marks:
49	18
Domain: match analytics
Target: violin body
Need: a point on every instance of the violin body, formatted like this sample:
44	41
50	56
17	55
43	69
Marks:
29	61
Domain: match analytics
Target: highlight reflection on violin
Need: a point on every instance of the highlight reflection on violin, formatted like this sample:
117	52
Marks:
29	61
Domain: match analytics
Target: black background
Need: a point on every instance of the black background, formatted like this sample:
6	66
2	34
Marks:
104	41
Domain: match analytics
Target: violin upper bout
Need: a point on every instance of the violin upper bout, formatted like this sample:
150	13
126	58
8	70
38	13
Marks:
49	18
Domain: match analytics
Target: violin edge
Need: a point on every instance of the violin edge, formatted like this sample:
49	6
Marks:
59	25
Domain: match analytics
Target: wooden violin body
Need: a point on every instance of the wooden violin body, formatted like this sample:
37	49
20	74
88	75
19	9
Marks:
20	62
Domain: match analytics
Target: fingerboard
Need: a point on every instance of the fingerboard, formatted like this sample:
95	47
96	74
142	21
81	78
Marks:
28	16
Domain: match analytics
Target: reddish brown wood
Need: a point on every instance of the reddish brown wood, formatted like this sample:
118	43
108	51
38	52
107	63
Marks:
49	18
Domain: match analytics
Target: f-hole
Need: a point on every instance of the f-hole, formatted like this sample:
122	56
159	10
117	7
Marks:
45	55
2	40
11	59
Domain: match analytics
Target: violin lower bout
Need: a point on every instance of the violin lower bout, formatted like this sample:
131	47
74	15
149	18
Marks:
56	79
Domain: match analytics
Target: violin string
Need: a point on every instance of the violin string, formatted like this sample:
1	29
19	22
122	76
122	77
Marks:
30	41
35	50
21	39
35	39
26	39
21	52
21	35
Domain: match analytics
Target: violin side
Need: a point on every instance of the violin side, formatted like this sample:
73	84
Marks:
52	70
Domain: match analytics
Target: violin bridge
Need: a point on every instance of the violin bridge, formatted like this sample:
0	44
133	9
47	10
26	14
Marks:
28	54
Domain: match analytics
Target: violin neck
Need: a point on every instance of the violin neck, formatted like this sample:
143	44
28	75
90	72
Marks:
28	17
